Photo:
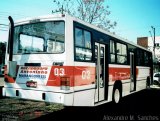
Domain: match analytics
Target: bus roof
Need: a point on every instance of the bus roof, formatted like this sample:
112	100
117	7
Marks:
60	16
108	33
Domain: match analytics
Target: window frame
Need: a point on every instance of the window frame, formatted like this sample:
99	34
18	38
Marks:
84	48
45	46
112	53
121	53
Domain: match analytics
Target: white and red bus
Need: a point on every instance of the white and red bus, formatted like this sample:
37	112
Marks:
61	59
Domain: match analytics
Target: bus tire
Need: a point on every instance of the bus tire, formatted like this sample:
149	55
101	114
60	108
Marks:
117	94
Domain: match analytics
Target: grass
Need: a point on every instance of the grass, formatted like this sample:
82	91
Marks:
25	109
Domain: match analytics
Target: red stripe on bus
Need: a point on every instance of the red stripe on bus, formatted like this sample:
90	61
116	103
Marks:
120	73
78	75
84	75
57	72
9	79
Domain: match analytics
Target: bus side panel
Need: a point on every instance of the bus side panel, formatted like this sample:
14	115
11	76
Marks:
84	97
143	73
84	85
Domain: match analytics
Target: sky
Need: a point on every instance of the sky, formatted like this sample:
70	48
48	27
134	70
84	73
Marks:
134	17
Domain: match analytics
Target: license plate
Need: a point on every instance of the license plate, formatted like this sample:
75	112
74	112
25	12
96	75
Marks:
31	84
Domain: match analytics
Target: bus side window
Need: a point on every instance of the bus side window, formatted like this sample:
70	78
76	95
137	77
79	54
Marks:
83	49
96	53
55	46
146	58
121	53
112	51
96	59
102	62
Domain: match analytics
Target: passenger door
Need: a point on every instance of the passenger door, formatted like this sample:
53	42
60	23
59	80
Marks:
101	92
132	73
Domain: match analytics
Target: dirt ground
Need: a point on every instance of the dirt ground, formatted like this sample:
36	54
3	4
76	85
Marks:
12	109
1	81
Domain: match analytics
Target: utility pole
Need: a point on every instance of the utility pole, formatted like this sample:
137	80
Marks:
154	46
154	55
153	42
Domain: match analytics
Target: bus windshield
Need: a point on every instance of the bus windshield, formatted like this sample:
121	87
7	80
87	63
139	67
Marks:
44	37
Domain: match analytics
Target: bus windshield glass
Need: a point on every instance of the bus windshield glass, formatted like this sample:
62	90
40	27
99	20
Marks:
44	37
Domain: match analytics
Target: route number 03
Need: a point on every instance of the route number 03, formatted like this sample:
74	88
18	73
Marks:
86	75
59	72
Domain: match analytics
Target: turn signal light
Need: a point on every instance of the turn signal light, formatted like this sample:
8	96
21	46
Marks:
65	83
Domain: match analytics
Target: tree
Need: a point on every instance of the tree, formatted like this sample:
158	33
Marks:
92	11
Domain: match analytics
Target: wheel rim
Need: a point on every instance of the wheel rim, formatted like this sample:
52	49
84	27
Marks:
116	96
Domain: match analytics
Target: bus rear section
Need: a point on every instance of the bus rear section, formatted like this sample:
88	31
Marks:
43	83
68	85
36	61
40	65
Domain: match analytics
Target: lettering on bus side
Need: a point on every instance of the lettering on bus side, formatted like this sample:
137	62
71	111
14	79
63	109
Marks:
59	71
86	75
